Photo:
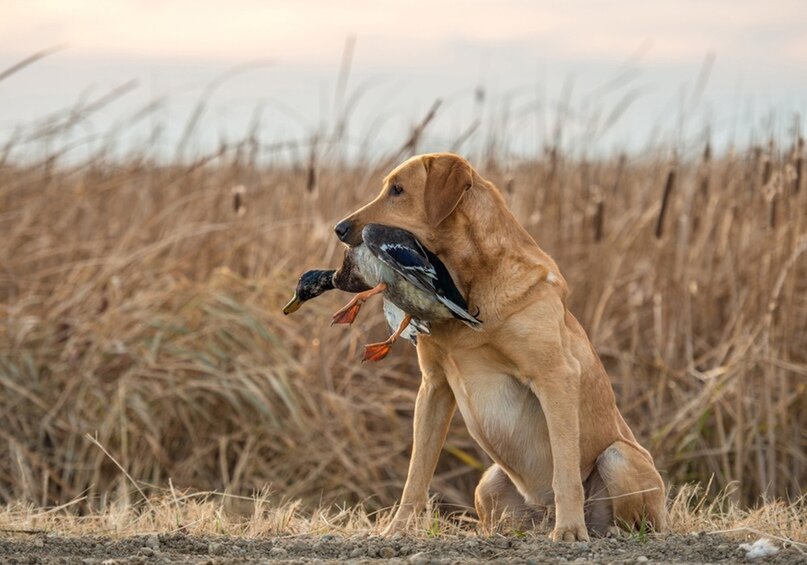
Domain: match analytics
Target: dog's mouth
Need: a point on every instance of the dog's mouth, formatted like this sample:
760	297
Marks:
353	241
353	245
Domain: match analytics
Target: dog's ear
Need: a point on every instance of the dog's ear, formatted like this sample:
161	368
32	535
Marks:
447	179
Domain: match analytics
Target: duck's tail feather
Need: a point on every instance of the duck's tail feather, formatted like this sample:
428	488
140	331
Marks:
461	313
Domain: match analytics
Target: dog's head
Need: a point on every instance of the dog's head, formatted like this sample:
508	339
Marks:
417	196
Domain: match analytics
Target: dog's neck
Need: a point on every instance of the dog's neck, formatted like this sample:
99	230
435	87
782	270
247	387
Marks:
490	254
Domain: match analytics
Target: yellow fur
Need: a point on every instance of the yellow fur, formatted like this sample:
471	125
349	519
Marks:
530	387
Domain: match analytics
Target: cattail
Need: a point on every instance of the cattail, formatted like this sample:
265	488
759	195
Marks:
599	211
799	165
311	181
705	170
238	200
753	169
665	200
599	220
767	170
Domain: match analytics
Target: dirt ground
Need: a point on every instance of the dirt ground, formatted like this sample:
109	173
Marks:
179	548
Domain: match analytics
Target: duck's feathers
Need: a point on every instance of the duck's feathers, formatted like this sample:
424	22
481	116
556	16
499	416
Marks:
402	252
348	277
395	316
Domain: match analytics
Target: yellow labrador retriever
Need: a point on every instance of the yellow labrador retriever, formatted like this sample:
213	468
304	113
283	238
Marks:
529	385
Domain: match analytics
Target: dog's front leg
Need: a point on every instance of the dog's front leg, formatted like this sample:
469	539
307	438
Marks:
434	408
558	391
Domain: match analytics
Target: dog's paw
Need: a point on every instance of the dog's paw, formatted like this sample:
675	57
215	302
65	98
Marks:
400	523
570	532
394	527
405	518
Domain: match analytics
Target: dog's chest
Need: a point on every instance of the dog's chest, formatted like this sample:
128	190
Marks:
490	406
504	417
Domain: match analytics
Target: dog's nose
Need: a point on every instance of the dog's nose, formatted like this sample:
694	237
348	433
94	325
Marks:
342	230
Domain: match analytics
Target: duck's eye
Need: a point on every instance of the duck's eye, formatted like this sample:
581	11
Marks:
396	189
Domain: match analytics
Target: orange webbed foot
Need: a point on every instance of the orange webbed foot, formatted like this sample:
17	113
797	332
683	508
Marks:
376	351
347	314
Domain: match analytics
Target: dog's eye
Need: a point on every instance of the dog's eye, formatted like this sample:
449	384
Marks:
396	189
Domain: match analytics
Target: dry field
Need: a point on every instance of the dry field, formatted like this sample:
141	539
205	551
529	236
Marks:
202	528
144	356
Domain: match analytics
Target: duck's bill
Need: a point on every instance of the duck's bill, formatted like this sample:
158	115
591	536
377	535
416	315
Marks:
293	305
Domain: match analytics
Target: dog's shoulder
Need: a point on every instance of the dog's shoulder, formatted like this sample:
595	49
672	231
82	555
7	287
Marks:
522	280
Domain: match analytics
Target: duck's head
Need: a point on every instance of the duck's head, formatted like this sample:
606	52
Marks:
311	284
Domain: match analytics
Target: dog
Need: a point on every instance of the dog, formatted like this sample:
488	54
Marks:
529	385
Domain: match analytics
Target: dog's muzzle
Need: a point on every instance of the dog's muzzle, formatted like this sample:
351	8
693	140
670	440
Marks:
343	230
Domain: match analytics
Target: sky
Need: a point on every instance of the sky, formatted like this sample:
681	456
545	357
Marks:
619	75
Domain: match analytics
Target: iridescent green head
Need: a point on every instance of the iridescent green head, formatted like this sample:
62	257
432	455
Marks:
311	284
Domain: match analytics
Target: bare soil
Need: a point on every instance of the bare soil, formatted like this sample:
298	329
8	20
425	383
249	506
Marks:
180	548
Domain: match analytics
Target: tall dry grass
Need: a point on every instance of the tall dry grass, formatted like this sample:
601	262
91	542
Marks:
139	306
141	338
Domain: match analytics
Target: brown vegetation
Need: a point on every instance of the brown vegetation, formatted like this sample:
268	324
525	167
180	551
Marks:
260	516
140	304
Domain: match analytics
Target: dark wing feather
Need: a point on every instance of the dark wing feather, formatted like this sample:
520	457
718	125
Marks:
402	252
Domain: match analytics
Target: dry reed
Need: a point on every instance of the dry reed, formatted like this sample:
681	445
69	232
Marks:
140	304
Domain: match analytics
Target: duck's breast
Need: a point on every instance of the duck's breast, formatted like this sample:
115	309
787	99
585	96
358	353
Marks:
395	316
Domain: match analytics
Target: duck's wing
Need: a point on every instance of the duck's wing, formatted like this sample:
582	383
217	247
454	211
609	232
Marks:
451	297
403	253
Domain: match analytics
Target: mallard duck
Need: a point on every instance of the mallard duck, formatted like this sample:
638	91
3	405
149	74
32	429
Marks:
315	282
348	278
417	286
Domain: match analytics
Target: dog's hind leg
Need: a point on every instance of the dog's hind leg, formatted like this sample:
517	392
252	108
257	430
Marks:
498	502
597	508
634	487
